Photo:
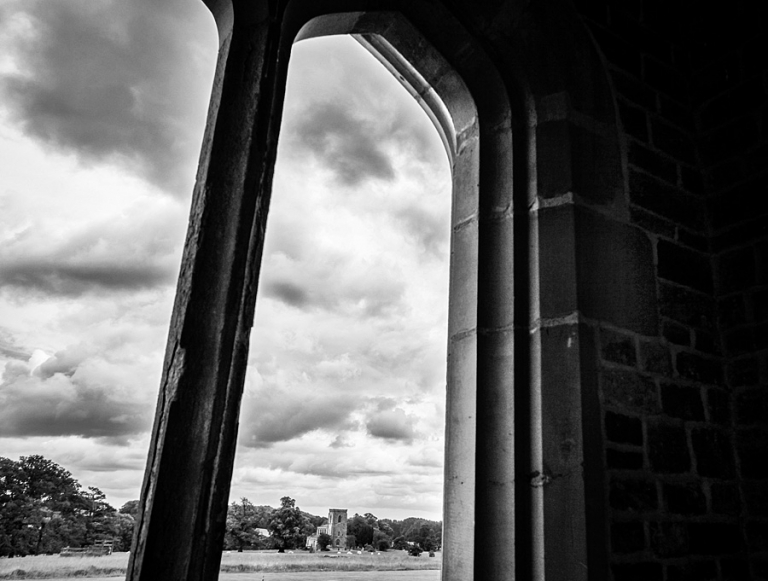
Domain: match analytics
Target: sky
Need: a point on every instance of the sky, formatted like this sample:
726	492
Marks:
102	110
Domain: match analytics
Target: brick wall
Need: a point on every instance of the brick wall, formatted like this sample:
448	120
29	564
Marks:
729	81
685	412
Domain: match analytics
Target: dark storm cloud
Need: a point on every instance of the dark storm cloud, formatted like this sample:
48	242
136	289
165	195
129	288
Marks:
350	146
58	404
109	81
336	283
77	279
288	293
281	415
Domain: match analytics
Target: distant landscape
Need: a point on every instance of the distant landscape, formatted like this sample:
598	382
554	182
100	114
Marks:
43	510
263	562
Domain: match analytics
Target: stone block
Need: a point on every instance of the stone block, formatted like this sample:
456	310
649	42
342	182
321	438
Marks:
627	537
686	306
735	569
666	79
719	406
677	334
699	570
725	498
684	498
616	280
633	90
652	162
630	390
705	342
634	122
692	179
759	301
617	347
673	141
714	453
668	448
633	494
731	311
655	357
557	262
618	51
743	371
669	539
651	222
643	571
752	406
666	200
698	368
757	535
623	429
751	445
740	204
621	460
695	241
756	498
740	341
710	538
682	402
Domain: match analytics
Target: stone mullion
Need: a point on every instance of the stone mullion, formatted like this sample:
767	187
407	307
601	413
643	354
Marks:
495	462
187	480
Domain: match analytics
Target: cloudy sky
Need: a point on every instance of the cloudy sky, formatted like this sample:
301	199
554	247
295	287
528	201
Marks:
102	109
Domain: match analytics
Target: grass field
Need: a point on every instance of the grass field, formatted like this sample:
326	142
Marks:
55	567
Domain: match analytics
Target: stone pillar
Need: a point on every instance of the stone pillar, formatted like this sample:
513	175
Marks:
495	461
187	480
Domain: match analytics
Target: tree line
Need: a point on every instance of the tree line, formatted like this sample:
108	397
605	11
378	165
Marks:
44	509
288	528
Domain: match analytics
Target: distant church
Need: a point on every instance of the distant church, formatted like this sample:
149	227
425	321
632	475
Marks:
336	528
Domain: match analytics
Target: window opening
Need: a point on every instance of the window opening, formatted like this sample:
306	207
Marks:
345	391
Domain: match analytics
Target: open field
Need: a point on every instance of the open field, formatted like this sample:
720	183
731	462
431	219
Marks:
248	566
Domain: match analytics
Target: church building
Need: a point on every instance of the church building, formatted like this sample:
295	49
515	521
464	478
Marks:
336	528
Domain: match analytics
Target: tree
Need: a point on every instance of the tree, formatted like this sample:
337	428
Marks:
242	522
381	541
287	524
131	507
362	528
34	492
323	540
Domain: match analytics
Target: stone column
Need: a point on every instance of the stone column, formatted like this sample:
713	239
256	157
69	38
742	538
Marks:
187	480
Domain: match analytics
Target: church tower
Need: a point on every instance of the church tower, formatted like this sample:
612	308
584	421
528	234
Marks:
337	527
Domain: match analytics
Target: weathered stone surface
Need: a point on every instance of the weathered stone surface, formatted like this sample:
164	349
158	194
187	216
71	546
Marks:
668	448
682	402
714	453
655	358
684	498
630	390
623	429
633	494
618	347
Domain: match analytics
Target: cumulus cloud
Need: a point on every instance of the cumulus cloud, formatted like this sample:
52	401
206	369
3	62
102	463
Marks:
9	348
277	415
119	253
52	277
68	395
391	423
112	81
346	144
336	283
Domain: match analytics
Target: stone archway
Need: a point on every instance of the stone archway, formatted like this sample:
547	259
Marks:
543	165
